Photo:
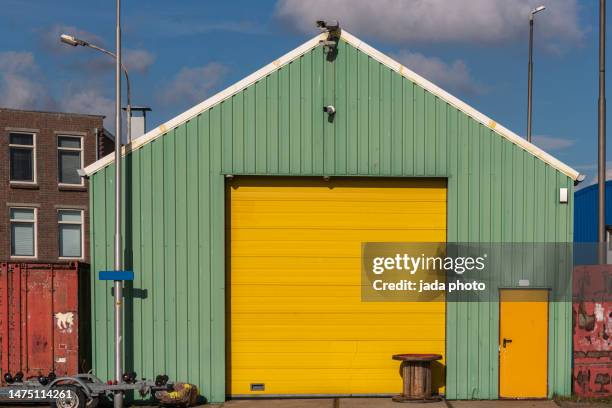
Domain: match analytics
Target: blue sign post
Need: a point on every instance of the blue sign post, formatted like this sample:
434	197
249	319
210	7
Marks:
116	275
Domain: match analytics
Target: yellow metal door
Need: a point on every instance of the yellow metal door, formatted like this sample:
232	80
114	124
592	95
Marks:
523	344
297	325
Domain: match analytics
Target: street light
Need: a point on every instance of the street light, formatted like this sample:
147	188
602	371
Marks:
74	41
530	70
118	262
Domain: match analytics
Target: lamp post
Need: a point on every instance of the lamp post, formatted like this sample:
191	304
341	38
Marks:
118	264
118	261
530	70
72	40
601	131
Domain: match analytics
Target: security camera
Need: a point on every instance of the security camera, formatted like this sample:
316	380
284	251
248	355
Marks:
329	109
329	25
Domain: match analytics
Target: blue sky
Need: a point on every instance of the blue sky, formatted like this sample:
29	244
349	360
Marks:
475	49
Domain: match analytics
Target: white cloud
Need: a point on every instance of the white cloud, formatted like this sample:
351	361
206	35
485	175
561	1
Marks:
22	87
16	61
19	92
552	143
19	84
420	21
89	100
138	60
455	75
192	85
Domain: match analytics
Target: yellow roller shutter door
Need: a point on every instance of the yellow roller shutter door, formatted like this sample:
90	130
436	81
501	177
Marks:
297	325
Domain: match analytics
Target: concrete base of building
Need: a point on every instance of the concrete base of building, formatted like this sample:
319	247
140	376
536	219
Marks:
386	403
381	403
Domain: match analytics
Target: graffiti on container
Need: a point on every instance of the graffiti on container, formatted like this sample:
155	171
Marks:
65	321
592	321
592	380
592	348
593	327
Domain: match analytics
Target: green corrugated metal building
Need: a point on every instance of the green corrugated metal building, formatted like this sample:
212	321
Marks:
390	123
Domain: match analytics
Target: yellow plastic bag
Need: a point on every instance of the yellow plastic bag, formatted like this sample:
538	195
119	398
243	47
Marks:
183	394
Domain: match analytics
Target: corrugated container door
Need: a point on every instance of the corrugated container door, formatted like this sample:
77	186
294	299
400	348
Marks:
66	328
37	290
297	323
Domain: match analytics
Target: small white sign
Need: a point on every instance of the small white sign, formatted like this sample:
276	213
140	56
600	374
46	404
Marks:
563	195
523	282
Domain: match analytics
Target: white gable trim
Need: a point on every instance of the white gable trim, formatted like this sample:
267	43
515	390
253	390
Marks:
368	50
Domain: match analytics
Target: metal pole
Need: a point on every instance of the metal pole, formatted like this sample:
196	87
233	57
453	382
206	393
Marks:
601	168
118	397
129	123
530	78
128	108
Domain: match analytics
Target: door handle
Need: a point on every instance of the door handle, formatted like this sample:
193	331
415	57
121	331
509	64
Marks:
506	341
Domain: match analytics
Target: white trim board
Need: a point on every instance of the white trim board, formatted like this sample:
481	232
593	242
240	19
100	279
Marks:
371	52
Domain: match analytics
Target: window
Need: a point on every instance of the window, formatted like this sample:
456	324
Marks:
22	154
69	159
70	233
23	232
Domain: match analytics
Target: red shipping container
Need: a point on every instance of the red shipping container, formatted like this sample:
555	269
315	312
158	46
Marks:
41	325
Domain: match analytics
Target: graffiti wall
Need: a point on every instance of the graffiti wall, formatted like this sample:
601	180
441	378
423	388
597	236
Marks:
592	321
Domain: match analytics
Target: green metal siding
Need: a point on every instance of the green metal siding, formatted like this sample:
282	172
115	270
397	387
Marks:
385	126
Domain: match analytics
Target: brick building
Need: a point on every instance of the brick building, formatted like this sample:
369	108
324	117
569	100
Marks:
45	214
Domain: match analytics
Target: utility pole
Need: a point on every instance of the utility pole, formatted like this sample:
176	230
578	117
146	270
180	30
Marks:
530	71
601	165
118	285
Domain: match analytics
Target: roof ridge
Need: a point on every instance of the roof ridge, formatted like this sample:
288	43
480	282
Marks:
371	52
